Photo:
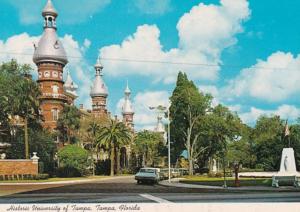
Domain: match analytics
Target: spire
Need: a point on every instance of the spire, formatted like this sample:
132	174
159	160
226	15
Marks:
160	126
69	86
99	87
127	107
127	90
49	48
50	14
49	10
98	67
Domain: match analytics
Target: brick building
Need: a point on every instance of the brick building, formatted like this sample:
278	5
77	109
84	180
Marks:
50	58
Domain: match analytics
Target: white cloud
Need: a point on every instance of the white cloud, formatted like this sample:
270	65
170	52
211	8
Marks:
272	80
20	47
156	7
284	111
203	33
87	43
70	11
212	90
79	68
144	118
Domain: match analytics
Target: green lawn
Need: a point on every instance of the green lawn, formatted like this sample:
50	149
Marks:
55	179
219	181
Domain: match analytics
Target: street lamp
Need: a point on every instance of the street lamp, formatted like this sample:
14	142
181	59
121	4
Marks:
162	109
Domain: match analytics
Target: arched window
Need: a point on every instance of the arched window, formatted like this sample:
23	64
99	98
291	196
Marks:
55	89
50	22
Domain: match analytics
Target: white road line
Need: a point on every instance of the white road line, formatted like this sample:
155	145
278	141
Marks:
156	199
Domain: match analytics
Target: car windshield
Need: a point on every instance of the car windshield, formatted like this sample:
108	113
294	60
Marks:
147	170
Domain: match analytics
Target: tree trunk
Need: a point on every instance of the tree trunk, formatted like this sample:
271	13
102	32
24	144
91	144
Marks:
69	136
118	160
112	159
189	153
93	164
144	160
191	167
26	138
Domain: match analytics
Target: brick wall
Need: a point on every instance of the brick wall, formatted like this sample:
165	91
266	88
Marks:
18	167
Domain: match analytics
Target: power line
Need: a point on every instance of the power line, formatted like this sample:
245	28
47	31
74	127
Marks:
156	62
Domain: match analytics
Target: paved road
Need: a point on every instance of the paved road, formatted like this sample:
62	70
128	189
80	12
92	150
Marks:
125	190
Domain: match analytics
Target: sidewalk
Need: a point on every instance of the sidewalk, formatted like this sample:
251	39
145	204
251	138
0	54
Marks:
175	183
65	181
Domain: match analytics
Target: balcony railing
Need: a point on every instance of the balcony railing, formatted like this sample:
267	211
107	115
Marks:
54	96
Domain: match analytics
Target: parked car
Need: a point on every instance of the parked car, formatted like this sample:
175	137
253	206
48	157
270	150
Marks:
164	174
150	175
175	172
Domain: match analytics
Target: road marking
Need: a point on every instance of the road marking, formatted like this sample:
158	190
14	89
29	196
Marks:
156	199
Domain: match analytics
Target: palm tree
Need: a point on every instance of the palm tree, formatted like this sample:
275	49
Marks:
93	129
69	121
113	136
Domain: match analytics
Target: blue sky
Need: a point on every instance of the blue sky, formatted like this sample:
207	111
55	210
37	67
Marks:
245	53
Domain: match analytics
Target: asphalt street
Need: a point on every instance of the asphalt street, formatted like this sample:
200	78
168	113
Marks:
126	190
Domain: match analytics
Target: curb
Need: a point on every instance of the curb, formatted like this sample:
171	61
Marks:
176	183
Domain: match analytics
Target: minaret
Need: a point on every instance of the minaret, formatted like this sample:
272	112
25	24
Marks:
99	92
70	89
160	128
50	58
127	110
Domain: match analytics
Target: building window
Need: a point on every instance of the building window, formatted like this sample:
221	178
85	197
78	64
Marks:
55	89
54	114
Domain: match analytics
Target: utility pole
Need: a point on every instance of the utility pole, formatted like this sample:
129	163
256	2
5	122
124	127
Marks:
162	109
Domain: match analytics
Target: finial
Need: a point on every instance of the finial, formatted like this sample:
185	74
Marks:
98	64
127	90
49	9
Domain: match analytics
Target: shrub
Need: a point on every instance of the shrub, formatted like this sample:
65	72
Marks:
42	176
103	167
68	171
73	161
220	174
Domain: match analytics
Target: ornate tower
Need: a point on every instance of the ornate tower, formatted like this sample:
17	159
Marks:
99	92
70	89
127	110
50	58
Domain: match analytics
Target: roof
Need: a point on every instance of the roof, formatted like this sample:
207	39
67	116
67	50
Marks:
49	9
50	49
70	86
99	88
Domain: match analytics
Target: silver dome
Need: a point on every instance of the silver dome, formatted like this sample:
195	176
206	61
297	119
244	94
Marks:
49	9
50	49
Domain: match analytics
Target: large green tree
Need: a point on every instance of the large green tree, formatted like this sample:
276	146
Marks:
269	142
112	137
217	129
68	123
242	149
295	141
149	148
19	97
188	106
